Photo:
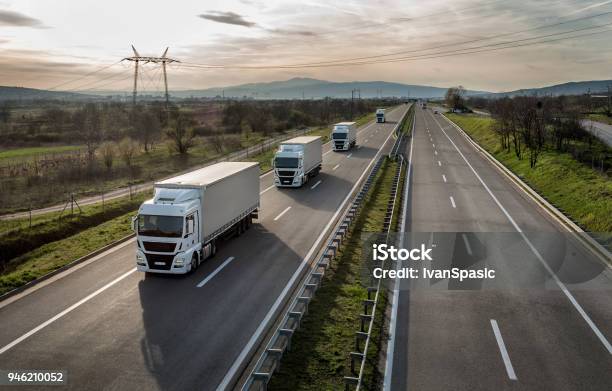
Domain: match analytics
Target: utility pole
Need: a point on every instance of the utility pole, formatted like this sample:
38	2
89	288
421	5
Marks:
163	60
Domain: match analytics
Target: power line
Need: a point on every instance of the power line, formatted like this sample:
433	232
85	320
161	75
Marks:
84	76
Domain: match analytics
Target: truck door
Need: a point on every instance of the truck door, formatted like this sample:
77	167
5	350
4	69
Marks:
190	229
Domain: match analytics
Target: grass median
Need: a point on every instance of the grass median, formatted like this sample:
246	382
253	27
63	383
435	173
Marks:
319	355
584	194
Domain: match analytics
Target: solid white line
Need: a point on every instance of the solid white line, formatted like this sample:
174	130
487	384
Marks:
315	185
394	299
439	163
539	257
444	177
467	244
282	213
214	273
336	166
349	155
64	312
503	351
452	200
262	326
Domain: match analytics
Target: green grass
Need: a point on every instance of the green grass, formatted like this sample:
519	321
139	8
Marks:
600	118
25	153
52	256
583	193
319	355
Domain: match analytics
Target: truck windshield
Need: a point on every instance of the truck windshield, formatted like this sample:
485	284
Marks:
339	136
286	162
165	226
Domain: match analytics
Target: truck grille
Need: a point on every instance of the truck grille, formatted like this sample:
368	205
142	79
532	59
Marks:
286	173
159	247
160	262
340	145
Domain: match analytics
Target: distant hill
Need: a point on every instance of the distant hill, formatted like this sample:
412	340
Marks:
21	93
312	88
570	88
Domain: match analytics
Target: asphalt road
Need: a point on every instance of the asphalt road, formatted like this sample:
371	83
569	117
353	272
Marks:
599	130
520	332
113	328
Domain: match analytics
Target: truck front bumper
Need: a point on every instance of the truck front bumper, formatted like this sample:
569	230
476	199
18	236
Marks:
166	264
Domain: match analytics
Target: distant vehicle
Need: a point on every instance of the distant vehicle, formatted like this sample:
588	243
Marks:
179	227
297	160
424	105
380	115
435	111
344	136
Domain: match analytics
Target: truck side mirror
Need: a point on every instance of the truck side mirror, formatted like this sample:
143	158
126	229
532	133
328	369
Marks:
134	222
272	162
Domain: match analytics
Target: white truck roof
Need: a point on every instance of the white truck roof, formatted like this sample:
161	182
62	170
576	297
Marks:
345	123
302	140
380	110
207	175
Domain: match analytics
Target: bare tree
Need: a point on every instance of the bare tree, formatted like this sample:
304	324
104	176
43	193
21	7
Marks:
455	98
181	134
127	150
107	149
92	129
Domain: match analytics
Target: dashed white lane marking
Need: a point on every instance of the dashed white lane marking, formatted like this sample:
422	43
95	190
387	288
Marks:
467	244
214	273
444	177
502	350
282	213
452	200
439	163
315	185
335	167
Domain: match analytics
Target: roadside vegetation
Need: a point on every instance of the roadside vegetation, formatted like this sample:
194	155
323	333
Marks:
581	191
319	355
50	149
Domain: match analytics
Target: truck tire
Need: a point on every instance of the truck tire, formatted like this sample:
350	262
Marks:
194	263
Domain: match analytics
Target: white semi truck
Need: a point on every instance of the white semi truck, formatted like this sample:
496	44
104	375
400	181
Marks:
297	160
180	226
380	115
344	136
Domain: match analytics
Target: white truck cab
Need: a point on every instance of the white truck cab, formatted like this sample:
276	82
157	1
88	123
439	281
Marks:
344	136
380	115
297	160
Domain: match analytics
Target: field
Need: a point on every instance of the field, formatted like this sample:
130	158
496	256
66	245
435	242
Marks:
27	153
584	194
600	118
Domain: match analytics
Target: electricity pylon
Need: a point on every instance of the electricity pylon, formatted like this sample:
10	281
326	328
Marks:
163	60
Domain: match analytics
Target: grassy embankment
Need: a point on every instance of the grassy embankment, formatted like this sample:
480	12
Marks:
53	243
319	356
600	118
583	193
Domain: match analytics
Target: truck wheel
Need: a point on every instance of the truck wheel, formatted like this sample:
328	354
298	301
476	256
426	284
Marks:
213	248
194	263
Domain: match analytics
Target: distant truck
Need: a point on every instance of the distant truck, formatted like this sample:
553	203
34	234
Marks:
380	115
344	136
297	160
179	227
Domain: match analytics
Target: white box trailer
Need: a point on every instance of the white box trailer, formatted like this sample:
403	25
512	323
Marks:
380	115
344	136
297	160
179	226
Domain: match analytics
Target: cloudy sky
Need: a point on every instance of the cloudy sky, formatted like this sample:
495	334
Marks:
57	44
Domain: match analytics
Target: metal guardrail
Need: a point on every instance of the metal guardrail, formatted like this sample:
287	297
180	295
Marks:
360	355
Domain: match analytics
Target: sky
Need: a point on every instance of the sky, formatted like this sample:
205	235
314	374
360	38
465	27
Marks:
78	45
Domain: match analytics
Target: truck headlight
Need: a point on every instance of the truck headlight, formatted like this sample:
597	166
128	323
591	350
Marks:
139	257
180	261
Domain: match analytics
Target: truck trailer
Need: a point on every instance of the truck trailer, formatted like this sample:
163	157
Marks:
380	115
179	227
297	160
344	136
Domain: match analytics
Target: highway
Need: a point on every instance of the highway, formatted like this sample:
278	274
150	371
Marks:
545	324
113	328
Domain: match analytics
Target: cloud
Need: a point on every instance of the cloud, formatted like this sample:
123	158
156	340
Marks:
12	18
227	18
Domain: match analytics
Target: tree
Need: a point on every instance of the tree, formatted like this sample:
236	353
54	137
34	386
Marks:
181	134
147	126
127	150
5	112
455	98
107	150
91	129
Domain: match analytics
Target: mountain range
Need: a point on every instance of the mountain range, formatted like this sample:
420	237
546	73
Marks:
298	88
